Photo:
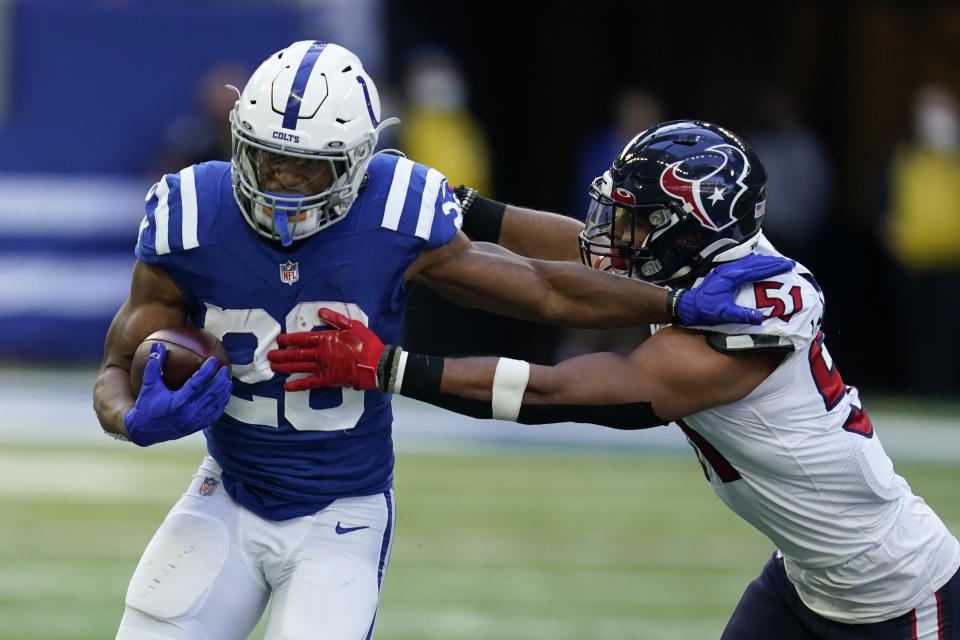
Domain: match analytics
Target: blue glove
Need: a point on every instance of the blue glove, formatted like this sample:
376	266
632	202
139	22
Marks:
712	301
161	414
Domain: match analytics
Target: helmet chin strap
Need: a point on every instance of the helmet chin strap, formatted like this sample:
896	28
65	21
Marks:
283	228
281	220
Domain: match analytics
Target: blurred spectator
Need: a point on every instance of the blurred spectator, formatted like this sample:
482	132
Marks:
799	174
923	238
204	133
438	128
633	110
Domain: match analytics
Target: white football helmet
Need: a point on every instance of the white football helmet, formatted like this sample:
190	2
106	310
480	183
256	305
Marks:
312	102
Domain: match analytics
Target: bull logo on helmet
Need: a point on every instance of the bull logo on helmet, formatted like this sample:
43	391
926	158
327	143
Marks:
714	188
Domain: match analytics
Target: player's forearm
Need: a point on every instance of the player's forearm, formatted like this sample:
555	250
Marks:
526	232
469	377
478	387
543	291
540	235
551	288
506	389
598	388
580	297
112	399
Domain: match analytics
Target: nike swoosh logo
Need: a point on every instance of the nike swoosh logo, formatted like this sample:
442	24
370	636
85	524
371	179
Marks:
342	530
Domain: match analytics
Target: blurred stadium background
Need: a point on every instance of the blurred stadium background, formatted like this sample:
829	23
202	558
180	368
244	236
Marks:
504	532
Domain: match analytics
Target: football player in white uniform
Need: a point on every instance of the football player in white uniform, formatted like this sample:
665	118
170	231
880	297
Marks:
783	441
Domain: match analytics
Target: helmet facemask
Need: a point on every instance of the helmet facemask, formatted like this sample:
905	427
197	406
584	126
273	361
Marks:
610	240
285	217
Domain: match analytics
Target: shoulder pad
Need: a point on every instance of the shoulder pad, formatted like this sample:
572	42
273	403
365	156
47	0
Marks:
411	199
180	209
726	343
792	305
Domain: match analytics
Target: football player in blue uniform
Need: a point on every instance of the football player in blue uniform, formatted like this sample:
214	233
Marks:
294	503
783	441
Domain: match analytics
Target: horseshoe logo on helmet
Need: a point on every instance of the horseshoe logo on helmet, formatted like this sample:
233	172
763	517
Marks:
714	186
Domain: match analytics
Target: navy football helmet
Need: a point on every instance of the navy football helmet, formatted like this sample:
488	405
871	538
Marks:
694	191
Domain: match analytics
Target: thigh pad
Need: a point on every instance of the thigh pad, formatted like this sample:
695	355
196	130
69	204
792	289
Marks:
179	566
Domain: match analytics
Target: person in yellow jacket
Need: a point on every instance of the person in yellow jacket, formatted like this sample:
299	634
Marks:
923	238
438	126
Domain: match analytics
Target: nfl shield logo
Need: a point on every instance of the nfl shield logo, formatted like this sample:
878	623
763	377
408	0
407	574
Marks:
289	272
208	486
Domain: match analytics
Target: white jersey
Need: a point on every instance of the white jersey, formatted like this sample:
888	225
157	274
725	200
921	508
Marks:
799	459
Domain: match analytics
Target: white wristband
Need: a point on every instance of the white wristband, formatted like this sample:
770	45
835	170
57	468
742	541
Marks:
398	379
509	383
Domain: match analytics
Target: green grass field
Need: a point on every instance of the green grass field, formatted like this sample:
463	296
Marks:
492	544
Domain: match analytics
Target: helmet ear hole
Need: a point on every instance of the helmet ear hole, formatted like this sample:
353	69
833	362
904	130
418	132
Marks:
658	218
691	240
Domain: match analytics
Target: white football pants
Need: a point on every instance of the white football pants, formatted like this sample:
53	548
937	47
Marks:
212	566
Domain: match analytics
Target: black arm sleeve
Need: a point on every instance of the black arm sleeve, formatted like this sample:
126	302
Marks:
465	406
482	217
422	382
635	415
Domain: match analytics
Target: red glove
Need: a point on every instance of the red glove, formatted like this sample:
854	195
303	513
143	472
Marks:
346	356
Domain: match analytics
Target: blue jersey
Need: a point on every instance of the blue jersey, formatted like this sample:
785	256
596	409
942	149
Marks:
287	454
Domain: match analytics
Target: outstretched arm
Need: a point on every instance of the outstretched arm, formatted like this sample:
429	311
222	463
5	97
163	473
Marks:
556	292
673	374
494	279
540	234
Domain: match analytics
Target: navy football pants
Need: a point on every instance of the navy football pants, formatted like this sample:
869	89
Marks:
771	608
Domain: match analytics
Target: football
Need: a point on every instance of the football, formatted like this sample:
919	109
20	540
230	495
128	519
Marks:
187	349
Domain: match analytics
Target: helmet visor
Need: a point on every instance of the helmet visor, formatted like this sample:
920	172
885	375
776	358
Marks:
609	231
